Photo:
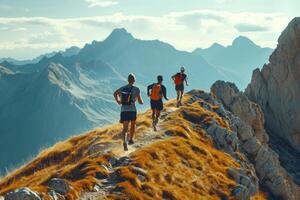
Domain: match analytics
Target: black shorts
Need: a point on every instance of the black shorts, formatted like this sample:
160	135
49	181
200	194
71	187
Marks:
128	116
179	87
157	105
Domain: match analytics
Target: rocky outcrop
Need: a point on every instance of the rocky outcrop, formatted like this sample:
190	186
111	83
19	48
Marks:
276	88
248	123
236	102
227	140
21	194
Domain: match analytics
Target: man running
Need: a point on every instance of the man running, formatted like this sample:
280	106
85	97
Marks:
126	96
158	92
179	79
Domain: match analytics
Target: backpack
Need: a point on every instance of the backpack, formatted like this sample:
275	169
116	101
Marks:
178	79
156	92
126	96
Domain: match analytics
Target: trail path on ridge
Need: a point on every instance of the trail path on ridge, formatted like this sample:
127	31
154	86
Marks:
141	140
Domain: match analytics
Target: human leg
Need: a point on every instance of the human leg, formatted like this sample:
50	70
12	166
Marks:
132	131
124	134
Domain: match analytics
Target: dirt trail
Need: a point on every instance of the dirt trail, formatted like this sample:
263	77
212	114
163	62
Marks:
142	140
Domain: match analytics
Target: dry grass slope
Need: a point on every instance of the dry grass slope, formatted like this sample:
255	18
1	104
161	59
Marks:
182	165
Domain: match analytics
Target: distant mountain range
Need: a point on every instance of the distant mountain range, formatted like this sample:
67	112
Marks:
68	52
51	100
237	60
61	94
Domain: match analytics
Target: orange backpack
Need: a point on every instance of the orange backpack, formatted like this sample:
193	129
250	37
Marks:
178	79
156	93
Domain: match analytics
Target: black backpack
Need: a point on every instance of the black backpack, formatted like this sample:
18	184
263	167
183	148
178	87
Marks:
126	96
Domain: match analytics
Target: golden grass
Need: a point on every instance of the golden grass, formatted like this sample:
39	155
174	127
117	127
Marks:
185	165
68	160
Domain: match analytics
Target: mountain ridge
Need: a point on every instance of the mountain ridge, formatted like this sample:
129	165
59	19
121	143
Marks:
202	139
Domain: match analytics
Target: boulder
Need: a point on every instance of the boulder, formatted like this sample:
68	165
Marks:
59	185
276	88
245	131
22	194
223	138
251	146
242	178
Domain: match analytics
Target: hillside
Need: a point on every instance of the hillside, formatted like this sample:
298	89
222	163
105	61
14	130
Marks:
237	60
200	150
47	99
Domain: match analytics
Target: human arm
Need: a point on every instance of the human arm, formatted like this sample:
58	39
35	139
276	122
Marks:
117	96
148	89
164	91
139	97
185	80
173	77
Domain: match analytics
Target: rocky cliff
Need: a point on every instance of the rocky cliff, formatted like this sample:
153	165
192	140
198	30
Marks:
276	87
254	141
214	147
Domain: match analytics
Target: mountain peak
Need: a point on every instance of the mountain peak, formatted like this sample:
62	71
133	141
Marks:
120	34
216	45
242	41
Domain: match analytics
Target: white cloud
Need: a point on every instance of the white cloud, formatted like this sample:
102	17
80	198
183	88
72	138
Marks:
185	30
101	3
250	28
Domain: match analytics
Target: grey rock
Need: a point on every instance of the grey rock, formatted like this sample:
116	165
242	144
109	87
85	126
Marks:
95	149
222	111
123	161
22	194
223	138
59	185
239	104
240	177
240	192
265	160
200	94
251	146
113	161
244	131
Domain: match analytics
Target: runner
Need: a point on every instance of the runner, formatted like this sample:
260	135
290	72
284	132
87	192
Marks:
179	79
126	96
158	91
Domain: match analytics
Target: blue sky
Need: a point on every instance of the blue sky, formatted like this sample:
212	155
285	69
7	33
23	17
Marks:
32	27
